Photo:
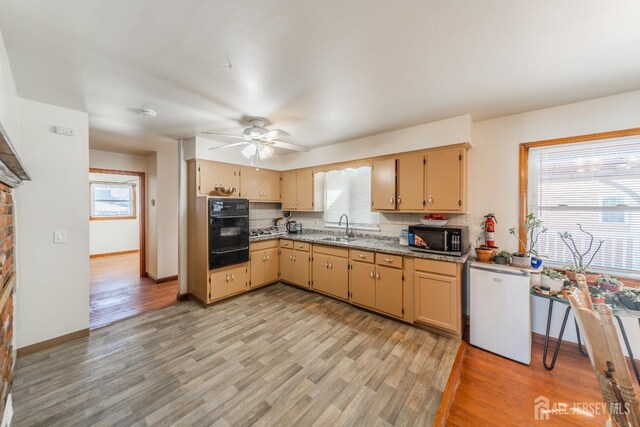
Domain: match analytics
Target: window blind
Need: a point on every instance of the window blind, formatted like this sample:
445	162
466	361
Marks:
596	184
349	191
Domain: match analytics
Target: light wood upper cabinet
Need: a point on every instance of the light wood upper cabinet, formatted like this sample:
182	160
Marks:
259	185
300	192
383	185
445	176
363	284
211	174
411	182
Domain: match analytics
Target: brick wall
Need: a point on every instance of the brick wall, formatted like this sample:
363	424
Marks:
6	312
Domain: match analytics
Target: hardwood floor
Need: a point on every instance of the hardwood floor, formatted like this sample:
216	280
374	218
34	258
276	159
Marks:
497	391
117	291
276	356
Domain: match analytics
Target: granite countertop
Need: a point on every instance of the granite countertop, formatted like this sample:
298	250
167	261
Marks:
390	246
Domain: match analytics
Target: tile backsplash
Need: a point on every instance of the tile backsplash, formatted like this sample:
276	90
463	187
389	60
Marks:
261	215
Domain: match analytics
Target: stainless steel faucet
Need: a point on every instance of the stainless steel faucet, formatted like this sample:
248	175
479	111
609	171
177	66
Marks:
340	223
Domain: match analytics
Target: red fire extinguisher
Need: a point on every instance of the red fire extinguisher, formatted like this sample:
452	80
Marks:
489	229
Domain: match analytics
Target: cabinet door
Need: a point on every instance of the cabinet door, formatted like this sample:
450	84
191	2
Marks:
250	184
257	268
383	185
304	190
443	177
271	265
302	264
321	277
436	301
289	190
228	281
339	277
229	176
389	290
287	268
270	185
207	177
411	183
363	284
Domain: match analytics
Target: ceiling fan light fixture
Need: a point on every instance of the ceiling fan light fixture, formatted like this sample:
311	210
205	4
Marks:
249	151
267	150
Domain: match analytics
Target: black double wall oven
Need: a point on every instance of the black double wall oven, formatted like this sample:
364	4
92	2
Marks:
228	232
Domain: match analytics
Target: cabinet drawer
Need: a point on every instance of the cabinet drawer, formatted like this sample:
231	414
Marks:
364	256
331	250
389	260
287	244
267	244
301	246
438	267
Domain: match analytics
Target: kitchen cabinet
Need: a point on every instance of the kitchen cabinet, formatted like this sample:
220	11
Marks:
264	263
229	281
363	284
437	295
383	185
302	190
410	184
211	174
331	271
295	264
259	185
445	180
379	285
389	290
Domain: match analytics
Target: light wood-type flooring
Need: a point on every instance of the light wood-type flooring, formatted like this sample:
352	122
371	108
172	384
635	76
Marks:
118	292
276	356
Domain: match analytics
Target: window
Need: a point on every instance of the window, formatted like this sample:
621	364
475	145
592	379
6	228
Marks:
349	191
596	184
113	200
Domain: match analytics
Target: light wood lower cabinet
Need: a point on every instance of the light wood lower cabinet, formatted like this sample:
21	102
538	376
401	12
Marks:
295	266
264	267
363	284
437	300
229	281
389	290
331	274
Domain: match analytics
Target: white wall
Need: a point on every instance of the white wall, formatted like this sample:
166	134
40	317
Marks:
8	96
53	293
152	215
494	169
117	161
117	235
167	211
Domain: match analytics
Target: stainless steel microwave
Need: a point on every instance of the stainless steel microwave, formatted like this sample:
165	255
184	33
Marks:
447	240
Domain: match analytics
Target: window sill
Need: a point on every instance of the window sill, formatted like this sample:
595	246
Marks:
111	218
355	227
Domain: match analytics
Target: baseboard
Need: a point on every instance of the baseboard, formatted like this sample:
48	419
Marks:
182	297
452	386
53	342
114	253
161	279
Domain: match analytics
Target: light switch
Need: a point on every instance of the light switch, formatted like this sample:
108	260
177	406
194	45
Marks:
59	236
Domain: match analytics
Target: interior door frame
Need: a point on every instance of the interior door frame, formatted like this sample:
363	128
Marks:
142	213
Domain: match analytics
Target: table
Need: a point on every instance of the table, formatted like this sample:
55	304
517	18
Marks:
621	312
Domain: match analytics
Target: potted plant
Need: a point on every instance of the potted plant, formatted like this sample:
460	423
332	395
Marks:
502	258
484	253
532	229
581	260
607	283
629	299
553	279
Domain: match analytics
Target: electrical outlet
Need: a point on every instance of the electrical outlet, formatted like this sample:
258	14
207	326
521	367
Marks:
59	236
65	131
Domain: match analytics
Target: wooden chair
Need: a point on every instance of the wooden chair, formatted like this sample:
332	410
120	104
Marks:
607	359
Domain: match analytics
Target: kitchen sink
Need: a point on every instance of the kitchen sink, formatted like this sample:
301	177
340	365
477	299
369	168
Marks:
338	239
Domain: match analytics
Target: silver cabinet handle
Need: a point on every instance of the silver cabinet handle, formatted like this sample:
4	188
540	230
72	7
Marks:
263	257
399	201
391	199
362	256
301	246
285	244
372	274
378	276
227	277
388	260
294	258
330	265
232	277
268	258
430	199
291	258
326	264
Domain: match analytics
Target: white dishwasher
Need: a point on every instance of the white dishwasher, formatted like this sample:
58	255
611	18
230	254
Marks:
500	311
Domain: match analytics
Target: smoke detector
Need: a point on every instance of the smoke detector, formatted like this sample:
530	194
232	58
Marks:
147	112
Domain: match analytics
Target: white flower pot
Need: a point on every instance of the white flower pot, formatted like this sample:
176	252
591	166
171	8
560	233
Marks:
554	284
522	262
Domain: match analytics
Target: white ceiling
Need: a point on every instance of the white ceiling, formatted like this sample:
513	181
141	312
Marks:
325	71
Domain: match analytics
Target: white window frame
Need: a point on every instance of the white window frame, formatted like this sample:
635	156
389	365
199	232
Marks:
132	191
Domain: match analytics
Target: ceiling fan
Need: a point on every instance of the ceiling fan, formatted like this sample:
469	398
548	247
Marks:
259	141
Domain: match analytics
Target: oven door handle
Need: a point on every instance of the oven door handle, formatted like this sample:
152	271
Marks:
244	248
446	241
229	216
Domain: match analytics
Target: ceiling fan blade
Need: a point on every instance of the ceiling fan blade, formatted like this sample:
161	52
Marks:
224	134
289	146
273	134
230	145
